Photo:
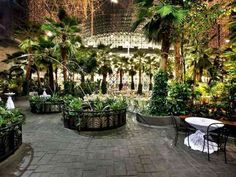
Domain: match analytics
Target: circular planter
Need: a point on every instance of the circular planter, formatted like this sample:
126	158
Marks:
94	120
154	120
42	107
10	140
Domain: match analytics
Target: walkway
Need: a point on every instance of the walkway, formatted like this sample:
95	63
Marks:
50	150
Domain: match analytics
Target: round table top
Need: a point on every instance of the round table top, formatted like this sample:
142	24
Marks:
9	94
202	123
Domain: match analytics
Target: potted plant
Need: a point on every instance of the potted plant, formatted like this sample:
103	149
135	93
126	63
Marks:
158	109
95	112
10	131
40	104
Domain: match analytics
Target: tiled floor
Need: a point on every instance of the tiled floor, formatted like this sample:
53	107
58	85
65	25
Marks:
133	150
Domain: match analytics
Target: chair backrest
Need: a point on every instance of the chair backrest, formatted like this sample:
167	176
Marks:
220	130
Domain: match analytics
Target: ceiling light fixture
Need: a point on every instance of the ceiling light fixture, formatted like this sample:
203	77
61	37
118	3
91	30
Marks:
114	1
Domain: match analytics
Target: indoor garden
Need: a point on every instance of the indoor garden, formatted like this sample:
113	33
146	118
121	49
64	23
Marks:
104	87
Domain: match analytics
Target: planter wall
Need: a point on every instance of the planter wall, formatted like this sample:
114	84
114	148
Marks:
10	140
154	120
94	120
42	107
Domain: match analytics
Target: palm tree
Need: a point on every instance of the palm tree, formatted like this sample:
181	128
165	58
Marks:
160	22
150	63
44	56
132	71
104	63
65	34
139	59
121	64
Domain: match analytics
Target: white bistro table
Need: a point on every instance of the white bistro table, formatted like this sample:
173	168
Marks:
196	140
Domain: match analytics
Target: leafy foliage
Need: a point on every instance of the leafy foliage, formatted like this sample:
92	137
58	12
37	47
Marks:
8	117
180	98
76	104
158	103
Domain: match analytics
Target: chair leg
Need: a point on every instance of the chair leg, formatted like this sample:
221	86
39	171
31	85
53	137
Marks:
176	137
208	153
203	145
225	155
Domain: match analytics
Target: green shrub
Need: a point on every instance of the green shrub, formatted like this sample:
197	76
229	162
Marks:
76	104
69	87
158	102
180	98
8	117
118	104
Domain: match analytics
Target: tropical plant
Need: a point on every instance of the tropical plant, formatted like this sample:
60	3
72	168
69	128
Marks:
121	64
65	35
180	98
160	23
197	39
9	117
76	104
139	65
118	103
132	72
150	65
158	103
104	63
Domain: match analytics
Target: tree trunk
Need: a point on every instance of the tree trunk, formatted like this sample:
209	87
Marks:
104	84
82	77
92	77
178	62
64	57
121	79
56	78
165	47
50	74
150	81
132	82
38	77
28	68
140	86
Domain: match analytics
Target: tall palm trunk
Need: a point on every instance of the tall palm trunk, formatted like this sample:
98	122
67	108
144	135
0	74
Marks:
82	77
121	79
51	80
178	62
104	84
38	77
92	77
28	68
165	47
150	81
64	57
140	86
132	82
56	78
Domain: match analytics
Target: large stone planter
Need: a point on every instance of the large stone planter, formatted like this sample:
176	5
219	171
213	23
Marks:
154	120
94	120
42	107
10	140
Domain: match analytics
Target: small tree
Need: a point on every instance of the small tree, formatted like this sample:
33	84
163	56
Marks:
180	97
158	103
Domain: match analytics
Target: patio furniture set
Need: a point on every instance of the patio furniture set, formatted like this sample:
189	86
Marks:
203	134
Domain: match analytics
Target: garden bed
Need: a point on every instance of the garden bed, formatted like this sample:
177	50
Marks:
154	120
42	107
94	120
10	139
